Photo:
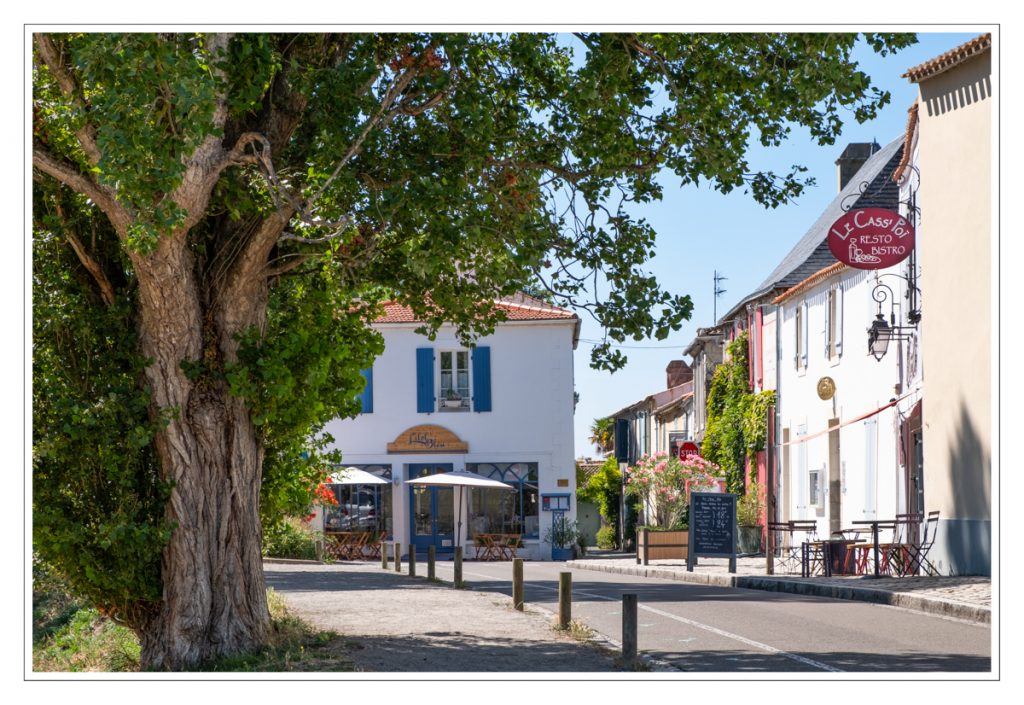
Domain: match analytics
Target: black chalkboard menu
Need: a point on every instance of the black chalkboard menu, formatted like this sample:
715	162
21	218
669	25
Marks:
712	525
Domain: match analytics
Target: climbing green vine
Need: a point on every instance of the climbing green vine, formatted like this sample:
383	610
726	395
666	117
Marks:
736	422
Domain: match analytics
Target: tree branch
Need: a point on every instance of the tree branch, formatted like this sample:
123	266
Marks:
69	175
296	261
54	60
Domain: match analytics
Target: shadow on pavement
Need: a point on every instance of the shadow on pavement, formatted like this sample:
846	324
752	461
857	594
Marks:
456	652
705	661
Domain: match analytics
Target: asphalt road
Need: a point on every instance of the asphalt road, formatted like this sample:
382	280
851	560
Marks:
702	628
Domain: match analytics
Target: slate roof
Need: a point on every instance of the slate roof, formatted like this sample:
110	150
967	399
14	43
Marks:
811	253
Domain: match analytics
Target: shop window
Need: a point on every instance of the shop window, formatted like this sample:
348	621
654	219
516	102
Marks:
497	511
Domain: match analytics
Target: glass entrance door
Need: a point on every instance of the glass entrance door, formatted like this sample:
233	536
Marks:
432	511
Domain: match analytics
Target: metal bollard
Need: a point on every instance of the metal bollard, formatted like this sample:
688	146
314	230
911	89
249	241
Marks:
412	561
431	563
458	566
398	557
383	556
564	600
517	584
629	633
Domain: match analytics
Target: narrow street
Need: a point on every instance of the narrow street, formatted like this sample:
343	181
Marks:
709	629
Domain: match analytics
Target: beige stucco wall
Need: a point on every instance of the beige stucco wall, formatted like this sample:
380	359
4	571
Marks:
955	245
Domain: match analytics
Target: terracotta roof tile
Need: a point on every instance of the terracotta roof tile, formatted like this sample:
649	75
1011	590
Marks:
520	307
818	276
907	143
953	57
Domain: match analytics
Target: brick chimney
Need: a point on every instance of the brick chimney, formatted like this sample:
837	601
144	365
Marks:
852	159
677	372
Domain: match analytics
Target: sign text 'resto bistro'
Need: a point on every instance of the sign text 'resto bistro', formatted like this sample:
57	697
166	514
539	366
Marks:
871	238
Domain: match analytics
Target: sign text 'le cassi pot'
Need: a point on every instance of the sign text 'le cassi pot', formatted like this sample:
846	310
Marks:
871	238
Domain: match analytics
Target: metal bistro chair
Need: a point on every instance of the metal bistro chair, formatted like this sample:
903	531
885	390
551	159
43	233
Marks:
905	539
812	551
789	551
917	556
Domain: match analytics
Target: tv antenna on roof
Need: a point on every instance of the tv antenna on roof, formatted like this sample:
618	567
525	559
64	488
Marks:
718	292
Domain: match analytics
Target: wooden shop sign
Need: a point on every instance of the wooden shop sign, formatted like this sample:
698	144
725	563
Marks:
871	238
428	438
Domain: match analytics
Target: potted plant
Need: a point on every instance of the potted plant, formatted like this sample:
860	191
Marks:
452	399
749	511
562	535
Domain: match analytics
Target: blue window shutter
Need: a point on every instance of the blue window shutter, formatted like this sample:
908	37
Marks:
482	378
366	396
424	380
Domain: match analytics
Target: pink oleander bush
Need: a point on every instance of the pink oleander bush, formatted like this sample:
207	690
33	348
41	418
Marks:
663	483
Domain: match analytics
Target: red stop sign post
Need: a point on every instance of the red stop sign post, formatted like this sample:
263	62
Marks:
687	449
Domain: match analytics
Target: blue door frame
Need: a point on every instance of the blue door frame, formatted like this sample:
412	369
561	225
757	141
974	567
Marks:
426	530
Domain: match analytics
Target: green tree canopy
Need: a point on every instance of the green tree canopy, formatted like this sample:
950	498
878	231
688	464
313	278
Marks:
216	217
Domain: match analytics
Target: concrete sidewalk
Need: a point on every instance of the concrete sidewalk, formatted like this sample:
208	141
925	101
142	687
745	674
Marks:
968	597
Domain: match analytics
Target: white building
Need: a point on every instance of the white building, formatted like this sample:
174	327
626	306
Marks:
502	409
839	449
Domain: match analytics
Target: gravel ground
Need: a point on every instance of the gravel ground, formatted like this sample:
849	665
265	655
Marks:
403	624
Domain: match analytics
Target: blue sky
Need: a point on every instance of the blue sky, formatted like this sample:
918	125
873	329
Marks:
700	231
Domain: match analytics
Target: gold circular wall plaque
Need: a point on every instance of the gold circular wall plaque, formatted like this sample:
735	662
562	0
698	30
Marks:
826	388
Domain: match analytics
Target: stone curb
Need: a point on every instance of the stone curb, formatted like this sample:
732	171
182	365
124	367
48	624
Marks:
920	603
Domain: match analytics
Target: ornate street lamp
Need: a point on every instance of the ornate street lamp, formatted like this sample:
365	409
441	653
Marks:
878	337
882	331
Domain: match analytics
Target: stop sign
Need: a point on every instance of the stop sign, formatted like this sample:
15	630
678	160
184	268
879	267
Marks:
687	449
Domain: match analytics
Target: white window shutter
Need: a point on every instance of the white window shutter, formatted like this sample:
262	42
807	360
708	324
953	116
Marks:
828	316
839	320
803	334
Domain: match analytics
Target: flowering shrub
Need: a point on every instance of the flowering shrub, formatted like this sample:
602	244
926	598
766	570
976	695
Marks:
663	483
323	495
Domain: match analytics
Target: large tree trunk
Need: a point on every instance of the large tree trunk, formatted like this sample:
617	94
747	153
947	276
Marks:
214	596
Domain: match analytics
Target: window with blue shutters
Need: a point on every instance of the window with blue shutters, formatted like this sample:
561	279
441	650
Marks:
366	396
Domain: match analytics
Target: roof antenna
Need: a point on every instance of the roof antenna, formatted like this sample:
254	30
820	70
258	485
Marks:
718	292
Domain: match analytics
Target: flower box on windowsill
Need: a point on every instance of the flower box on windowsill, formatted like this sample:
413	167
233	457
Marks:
451	403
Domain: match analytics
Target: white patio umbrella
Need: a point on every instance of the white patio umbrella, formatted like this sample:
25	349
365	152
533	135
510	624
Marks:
355	476
460	479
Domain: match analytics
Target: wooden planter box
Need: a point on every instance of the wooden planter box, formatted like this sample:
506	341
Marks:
661	545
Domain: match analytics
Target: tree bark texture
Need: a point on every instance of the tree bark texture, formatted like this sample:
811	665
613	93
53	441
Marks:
214	596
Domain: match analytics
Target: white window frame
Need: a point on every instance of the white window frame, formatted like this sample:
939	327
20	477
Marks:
815	496
443	404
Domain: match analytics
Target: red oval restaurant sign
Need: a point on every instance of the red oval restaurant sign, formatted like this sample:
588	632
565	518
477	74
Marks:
871	238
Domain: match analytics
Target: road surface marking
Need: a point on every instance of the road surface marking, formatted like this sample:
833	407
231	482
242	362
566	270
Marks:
715	630
706	627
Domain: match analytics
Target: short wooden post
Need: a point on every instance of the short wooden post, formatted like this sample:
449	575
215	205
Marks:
517	584
398	557
458	566
564	600
431	563
412	561
629	634
383	556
